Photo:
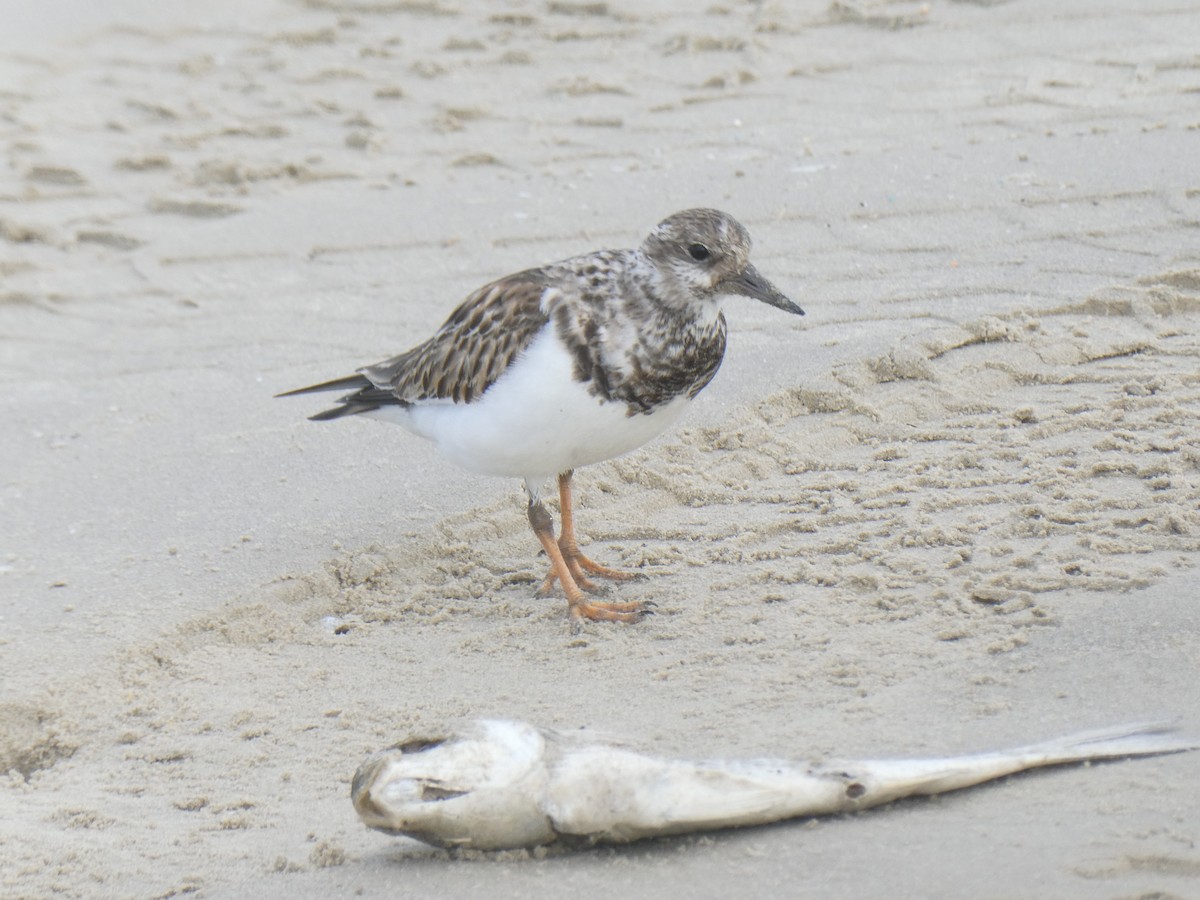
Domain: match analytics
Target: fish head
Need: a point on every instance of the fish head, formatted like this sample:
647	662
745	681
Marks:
479	788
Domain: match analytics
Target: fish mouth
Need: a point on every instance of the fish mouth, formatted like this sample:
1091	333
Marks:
751	284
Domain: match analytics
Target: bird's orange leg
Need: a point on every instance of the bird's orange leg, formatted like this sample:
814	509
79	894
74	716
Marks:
578	564
581	608
570	546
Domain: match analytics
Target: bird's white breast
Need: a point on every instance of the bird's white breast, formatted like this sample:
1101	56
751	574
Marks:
535	421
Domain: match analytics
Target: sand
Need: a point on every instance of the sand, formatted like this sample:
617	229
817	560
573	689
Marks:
953	507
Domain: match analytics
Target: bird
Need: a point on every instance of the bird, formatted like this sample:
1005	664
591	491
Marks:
569	364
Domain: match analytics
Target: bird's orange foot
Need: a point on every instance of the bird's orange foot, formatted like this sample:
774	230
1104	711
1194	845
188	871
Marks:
594	568
580	567
569	568
610	612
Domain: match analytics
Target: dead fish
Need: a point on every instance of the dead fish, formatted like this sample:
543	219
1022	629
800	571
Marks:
503	784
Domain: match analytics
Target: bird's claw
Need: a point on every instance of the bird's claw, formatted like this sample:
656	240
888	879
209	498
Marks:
610	612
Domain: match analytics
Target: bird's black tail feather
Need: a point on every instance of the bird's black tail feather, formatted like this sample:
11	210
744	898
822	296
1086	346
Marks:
346	409
348	383
363	397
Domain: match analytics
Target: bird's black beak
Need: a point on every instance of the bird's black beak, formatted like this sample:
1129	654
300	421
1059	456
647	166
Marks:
751	284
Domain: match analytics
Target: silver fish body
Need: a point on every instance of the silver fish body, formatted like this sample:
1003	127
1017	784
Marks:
503	784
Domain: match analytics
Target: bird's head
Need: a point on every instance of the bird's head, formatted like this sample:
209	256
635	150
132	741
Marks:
703	254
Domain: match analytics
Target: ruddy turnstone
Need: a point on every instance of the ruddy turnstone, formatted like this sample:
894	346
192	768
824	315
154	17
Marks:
569	364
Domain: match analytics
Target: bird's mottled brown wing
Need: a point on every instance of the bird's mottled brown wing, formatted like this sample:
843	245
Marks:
472	349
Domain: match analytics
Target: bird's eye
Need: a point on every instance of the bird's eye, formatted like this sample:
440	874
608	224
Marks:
698	252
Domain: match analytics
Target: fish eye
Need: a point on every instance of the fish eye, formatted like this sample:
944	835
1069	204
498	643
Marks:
698	252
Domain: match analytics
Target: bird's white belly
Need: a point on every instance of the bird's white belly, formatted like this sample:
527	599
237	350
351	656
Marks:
535	421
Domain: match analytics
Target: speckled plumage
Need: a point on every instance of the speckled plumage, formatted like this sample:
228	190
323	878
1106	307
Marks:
569	364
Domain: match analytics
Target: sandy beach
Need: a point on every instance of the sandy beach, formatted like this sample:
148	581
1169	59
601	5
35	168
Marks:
955	507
